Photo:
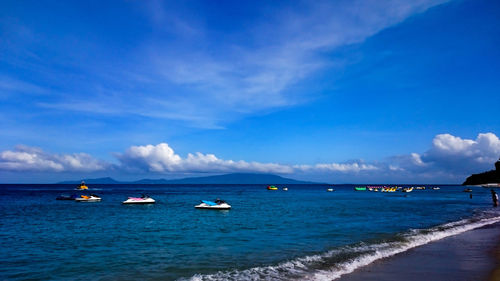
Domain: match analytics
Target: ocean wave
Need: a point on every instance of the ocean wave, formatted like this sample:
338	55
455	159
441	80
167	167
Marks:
337	262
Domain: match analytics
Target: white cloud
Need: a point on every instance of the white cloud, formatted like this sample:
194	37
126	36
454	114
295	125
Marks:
395	168
417	159
336	167
446	143
449	158
24	158
161	158
484	149
156	158
453	155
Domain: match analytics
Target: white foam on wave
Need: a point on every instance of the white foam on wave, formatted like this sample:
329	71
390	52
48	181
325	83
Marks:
394	248
311	267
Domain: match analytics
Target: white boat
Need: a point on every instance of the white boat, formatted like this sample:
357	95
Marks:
217	205
144	199
285	188
436	188
88	198
407	189
330	190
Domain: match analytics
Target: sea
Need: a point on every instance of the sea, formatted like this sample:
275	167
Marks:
305	233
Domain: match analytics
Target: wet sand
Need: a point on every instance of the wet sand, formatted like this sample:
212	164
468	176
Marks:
473	255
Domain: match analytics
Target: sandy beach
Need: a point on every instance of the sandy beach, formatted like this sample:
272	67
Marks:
473	255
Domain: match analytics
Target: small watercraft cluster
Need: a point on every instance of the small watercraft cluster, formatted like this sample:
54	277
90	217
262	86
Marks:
144	199
384	188
219	204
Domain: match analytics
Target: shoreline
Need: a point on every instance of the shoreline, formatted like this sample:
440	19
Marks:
472	255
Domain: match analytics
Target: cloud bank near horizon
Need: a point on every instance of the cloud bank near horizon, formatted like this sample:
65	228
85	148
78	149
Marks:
161	158
28	159
449	157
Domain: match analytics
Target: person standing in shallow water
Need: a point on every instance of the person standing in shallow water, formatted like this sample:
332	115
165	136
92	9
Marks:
494	197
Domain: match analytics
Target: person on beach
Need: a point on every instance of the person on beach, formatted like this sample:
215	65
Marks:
494	197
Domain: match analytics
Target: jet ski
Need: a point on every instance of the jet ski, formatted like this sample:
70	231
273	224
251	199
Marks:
88	198
217	205
67	197
144	199
82	186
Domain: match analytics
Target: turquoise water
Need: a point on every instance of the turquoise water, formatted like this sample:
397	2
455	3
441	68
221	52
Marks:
302	233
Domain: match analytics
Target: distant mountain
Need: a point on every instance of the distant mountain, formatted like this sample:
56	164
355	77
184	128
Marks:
236	178
492	176
151	181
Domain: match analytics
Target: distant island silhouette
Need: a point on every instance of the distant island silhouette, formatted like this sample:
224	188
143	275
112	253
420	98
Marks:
235	178
492	176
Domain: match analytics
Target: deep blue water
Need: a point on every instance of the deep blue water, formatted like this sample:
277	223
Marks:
303	233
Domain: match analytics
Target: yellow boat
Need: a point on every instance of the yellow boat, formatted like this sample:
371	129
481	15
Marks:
407	189
82	186
272	187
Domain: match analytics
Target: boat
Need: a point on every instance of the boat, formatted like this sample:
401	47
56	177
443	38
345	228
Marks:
467	190
67	197
436	188
88	198
389	189
407	189
374	188
285	188
272	187
329	189
360	188
82	186
420	187
216	205
144	199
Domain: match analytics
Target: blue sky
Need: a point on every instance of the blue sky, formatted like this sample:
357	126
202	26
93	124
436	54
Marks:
335	91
